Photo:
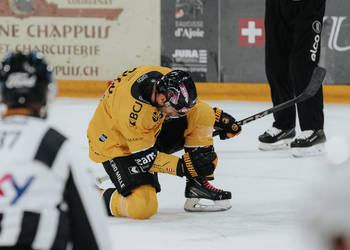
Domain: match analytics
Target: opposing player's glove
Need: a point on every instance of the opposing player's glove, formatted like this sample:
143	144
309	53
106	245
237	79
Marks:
199	162
226	125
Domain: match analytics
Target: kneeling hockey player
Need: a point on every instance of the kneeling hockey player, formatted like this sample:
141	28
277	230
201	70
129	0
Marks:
146	114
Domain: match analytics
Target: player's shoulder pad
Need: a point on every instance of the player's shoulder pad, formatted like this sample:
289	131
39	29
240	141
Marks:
201	114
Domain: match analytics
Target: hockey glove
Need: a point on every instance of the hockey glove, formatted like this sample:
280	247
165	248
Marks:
226	125
200	162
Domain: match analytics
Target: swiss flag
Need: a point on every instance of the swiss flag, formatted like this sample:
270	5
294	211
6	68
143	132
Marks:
251	32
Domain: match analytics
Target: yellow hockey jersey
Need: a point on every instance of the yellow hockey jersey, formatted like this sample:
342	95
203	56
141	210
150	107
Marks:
125	122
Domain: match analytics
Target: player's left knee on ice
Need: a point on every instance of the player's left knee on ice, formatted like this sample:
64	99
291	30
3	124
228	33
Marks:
142	203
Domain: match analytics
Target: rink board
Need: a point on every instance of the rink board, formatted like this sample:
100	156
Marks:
206	91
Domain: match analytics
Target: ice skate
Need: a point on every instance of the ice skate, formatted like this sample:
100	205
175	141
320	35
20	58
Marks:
309	143
276	139
204	197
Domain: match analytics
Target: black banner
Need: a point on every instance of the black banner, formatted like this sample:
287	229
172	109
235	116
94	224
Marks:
242	41
190	37
223	40
336	42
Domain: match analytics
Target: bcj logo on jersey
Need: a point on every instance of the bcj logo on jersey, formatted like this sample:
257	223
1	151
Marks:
20	190
251	32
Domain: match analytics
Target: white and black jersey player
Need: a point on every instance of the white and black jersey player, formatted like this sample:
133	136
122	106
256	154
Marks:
43	192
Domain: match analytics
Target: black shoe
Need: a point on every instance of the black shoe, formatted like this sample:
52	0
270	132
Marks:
275	138
200	188
309	142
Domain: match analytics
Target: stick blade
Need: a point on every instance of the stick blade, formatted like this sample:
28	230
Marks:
316	81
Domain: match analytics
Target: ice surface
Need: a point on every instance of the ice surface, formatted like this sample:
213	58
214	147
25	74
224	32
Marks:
267	187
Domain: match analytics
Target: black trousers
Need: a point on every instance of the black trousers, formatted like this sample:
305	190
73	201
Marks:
292	51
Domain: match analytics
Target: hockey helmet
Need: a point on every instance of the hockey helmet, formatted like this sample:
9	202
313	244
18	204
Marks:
179	89
26	79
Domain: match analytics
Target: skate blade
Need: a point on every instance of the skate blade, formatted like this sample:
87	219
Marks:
279	145
203	205
315	150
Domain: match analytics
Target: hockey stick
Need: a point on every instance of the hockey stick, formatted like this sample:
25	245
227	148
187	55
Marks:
317	78
315	83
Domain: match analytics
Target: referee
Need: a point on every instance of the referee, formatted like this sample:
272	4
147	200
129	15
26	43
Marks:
293	42
44	194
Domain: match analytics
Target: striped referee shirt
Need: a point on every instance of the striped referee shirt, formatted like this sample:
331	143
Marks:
46	199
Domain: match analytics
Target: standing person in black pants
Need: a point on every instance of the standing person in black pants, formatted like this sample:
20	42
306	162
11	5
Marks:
292	51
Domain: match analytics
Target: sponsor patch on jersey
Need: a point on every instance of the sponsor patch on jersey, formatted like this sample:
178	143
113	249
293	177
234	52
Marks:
117	174
136	170
146	160
155	116
134	114
20	190
103	138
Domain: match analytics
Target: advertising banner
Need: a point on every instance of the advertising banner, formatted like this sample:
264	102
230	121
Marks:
336	42
242	41
189	39
83	39
240	55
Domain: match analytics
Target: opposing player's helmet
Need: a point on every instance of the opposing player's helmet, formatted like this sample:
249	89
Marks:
26	79
179	89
